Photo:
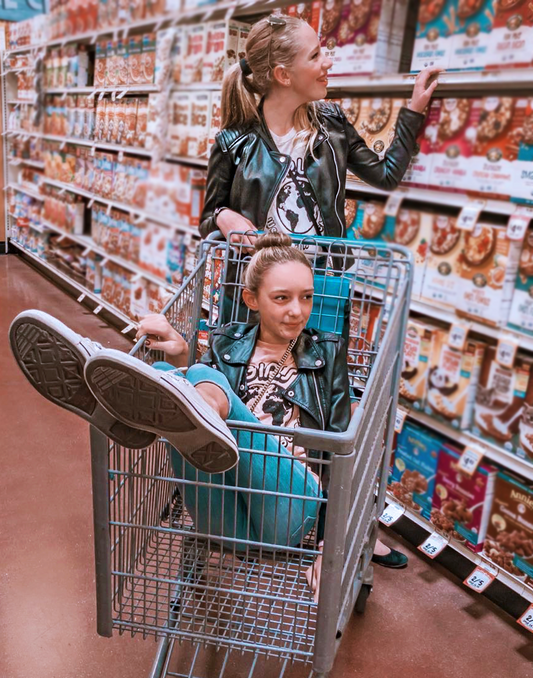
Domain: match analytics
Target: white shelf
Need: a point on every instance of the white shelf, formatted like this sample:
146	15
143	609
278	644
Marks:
163	220
27	191
503	577
18	102
15	162
197	87
198	162
525	341
83	290
94	89
434	196
89	244
492	452
134	150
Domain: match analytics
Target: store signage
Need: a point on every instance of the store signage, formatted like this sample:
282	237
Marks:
433	545
391	514
18	10
479	580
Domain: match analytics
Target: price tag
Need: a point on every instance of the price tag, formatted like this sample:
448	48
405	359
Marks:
433	545
506	351
479	580
457	336
391	514
392	206
399	420
517	225
469	215
470	460
526	620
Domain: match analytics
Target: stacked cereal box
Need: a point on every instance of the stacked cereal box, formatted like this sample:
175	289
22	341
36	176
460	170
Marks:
363	36
418	347
452	380
509	539
512	35
522	166
489	263
415	466
455	144
413	230
504	404
224	41
435	31
418	173
472	42
442	273
462	503
521	314
376	122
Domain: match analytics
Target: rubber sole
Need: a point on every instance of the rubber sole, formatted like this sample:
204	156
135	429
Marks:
52	358
135	392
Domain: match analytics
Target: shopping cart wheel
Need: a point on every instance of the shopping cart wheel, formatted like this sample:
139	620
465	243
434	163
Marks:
360	603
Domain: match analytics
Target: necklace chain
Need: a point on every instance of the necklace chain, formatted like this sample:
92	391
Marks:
265	388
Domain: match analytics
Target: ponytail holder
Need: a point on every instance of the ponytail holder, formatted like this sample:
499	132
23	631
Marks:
245	67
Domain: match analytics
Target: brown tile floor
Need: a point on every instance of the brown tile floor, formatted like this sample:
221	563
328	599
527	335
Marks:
418	623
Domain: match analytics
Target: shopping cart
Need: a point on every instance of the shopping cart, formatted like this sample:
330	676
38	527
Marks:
193	585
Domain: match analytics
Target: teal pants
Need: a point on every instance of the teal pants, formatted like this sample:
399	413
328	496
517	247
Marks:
251	507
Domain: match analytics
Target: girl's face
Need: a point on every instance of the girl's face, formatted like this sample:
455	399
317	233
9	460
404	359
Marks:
284	302
309	71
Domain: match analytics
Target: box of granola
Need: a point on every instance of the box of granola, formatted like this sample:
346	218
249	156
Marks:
193	60
453	376
461	503
442	275
415	466
215	124
509	538
472	41
512	35
489	263
222	45
521	314
419	172
435	34
200	124
418	346
522	167
413	229
376	122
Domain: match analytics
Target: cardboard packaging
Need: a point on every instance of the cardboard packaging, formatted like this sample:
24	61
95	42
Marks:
512	35
521	313
473	39
435	34
418	348
222	47
442	276
462	503
376	122
419	172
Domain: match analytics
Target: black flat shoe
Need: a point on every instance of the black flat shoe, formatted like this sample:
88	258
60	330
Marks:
394	560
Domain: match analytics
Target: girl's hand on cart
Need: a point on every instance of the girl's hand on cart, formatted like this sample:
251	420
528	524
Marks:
163	337
425	84
313	574
229	221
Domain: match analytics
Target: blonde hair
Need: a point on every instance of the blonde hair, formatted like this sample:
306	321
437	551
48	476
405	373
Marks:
271	249
268	45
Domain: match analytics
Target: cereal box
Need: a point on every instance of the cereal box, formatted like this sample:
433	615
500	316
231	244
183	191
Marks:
461	503
177	54
435	31
456	136
122	62
148	55
356	35
200	124
497	144
142	121
100	64
371	222
308	11
376	122
521	314
222	45
504	403
244	31
418	173
452	381
441	283
417	354
413	229
163	59
195	40
215	124
472	42
489	263
130	120
509	538
135	60
512	35
181	123
522	167
415	467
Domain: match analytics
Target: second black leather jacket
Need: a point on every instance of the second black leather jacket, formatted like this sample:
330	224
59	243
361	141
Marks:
246	169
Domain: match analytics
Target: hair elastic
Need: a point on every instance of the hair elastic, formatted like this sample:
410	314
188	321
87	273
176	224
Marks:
245	67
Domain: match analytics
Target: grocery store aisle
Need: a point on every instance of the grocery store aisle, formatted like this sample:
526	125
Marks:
418	623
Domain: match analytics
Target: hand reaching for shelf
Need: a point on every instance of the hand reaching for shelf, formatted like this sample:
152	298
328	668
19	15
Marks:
425	84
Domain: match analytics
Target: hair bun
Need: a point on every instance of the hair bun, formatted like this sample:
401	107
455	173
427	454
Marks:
273	239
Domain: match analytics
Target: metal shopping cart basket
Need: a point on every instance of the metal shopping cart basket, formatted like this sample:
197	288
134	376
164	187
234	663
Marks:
165	567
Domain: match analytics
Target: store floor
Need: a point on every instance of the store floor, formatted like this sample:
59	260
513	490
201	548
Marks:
419	623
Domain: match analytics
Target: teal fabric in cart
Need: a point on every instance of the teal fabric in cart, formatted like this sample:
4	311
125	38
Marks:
329	303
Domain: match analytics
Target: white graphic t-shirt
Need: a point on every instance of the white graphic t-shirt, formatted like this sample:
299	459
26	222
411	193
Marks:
287	212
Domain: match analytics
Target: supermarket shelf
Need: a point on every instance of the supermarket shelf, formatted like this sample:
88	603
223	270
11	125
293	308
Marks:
492	452
87	242
198	87
77	286
27	191
18	102
435	197
94	90
131	209
503	576
186	160
15	162
525	341
134	150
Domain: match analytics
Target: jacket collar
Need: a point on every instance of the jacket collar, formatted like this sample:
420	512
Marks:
243	339
264	132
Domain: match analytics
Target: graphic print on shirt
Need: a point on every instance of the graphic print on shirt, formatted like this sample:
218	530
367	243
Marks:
272	406
288	210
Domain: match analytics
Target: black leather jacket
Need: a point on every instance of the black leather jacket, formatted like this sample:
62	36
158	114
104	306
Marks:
321	389
246	169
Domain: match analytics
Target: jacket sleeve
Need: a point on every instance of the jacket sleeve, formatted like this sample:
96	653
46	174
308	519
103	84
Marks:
389	171
220	173
340	410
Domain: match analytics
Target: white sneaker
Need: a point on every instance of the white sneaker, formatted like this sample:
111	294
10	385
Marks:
164	403
52	358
